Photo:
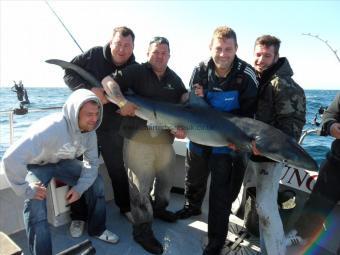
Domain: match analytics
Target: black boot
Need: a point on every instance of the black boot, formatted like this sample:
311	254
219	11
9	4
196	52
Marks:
143	235
214	246
212	249
165	215
187	212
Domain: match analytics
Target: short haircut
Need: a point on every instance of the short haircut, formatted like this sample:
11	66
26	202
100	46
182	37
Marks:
224	32
269	40
125	31
159	40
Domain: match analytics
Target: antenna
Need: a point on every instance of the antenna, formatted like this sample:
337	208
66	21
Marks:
325	42
62	23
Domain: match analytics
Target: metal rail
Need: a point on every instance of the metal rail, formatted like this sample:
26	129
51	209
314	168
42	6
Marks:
308	132
11	115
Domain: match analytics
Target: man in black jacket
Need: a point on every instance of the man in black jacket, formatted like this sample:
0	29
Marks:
326	192
150	157
100	62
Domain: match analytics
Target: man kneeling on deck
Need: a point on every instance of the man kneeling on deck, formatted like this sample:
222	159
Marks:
49	149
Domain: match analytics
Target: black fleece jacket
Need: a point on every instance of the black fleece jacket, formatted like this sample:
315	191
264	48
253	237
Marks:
97	61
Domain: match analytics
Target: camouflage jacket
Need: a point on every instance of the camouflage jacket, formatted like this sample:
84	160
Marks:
331	115
281	101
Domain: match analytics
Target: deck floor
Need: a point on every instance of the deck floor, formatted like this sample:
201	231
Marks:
183	237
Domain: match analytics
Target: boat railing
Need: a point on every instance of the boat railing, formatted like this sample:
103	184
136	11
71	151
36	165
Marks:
307	132
21	111
11	130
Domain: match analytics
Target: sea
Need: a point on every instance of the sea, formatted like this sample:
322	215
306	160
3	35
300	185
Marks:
43	101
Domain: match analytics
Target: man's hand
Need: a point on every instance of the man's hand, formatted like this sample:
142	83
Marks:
40	190
232	146
179	133
72	196
100	93
128	109
335	130
184	98
198	90
256	152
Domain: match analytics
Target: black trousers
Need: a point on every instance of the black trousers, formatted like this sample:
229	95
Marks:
111	148
227	172
324	196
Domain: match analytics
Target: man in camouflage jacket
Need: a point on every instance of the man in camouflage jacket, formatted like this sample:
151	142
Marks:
282	104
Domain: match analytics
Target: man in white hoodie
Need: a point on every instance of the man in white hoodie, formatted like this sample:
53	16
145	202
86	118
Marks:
50	149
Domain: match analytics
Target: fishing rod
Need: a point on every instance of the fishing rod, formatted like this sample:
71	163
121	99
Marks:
62	23
325	42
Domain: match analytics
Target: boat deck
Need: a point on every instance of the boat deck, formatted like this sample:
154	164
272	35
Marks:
183	237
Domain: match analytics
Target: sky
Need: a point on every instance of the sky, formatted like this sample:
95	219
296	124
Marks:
31	34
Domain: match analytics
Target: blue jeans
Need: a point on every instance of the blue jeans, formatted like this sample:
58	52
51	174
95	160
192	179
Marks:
111	148
35	212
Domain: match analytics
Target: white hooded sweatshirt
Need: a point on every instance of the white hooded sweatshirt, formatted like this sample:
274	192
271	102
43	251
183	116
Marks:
54	138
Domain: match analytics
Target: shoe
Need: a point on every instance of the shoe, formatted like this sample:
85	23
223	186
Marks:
108	236
129	217
187	212
293	239
149	243
165	215
77	228
209	250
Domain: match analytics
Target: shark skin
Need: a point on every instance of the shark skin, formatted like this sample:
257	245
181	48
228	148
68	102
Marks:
202	125
207	126
275	144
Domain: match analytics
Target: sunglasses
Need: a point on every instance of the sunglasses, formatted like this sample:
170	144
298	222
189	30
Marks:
159	40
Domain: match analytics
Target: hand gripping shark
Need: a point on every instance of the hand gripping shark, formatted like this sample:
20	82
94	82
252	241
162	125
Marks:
207	126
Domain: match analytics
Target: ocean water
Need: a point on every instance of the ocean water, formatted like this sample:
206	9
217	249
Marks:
39	98
316	145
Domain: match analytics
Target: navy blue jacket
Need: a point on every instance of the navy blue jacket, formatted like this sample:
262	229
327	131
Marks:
236	93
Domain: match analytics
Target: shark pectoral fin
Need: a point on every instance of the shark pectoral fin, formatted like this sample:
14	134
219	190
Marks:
108	88
109	98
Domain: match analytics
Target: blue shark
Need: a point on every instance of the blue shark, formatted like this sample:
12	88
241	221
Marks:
207	126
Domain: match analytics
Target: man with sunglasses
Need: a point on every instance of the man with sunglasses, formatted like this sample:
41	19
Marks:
148	156
101	61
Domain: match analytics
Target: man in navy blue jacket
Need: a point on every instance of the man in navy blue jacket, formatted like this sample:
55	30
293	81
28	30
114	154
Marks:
228	84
